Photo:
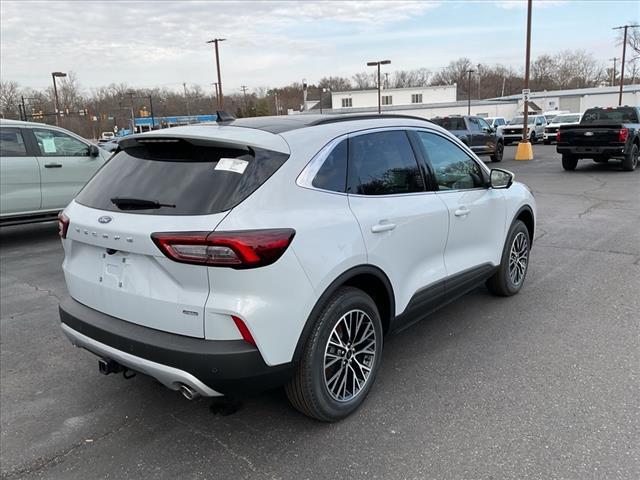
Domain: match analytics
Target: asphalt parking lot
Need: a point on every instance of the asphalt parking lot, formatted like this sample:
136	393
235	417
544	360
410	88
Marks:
542	385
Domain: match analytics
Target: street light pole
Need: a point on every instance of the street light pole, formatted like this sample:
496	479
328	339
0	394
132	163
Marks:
377	64
215	41
153	121
469	72
624	53
56	105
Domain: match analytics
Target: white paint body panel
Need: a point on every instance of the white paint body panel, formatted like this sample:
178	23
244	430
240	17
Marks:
333	235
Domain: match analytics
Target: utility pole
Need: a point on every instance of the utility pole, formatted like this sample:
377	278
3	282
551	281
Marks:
215	91
613	73
244	89
524	151
153	121
186	98
377	64
479	95
469	72
24	108
275	94
624	53
386	80
215	41
133	116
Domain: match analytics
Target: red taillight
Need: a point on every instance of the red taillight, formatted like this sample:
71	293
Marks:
63	225
239	249
244	331
558	136
623	134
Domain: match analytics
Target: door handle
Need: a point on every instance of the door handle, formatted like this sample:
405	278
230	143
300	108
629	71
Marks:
52	165
462	212
383	227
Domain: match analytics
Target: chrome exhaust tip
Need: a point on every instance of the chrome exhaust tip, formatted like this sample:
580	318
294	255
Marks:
188	392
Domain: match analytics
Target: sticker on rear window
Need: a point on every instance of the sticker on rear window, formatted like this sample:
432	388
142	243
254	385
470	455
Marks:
232	165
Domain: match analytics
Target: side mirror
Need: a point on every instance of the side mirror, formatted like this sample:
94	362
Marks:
487	129
501	178
93	151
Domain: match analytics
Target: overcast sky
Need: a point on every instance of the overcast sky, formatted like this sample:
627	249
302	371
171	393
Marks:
273	43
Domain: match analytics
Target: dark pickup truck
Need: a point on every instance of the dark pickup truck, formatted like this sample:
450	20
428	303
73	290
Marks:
475	133
602	134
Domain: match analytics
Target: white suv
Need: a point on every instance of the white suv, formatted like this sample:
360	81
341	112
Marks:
222	259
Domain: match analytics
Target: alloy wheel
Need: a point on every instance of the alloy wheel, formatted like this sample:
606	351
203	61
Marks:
349	355
518	258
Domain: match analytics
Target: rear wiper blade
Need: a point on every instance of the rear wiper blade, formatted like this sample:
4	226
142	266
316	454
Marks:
127	203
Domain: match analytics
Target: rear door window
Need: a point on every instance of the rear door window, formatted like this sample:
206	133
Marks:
12	143
383	163
184	179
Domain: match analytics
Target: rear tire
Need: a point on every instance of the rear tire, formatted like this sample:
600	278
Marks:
569	163
341	358
499	153
509	278
630	161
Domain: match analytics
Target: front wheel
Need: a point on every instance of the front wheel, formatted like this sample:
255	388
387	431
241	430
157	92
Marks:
498	154
630	161
340	359
509	278
533	138
568	162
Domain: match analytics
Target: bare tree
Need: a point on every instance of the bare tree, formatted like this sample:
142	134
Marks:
364	80
543	70
335	84
9	99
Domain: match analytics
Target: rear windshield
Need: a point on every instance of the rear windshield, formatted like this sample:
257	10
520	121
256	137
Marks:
184	179
450	123
617	115
566	118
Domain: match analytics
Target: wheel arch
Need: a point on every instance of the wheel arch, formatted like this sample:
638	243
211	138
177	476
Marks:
368	278
525	214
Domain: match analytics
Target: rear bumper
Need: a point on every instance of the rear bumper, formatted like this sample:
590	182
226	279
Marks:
591	151
211	367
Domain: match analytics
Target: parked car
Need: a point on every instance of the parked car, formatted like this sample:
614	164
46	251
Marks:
474	132
496	122
41	169
550	115
110	145
106	136
602	134
281	250
551	129
512	132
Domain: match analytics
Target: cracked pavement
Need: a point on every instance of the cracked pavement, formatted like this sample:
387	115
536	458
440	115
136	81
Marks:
541	385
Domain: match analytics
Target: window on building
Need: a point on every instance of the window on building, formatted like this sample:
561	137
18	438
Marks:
387	100
347	102
416	98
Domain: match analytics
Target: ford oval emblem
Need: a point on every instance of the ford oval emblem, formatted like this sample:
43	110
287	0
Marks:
588	134
105	219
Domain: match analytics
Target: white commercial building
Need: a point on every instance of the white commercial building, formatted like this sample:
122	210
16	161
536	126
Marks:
393	96
577	100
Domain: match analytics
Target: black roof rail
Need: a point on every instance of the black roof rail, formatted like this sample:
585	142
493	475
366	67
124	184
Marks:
370	116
